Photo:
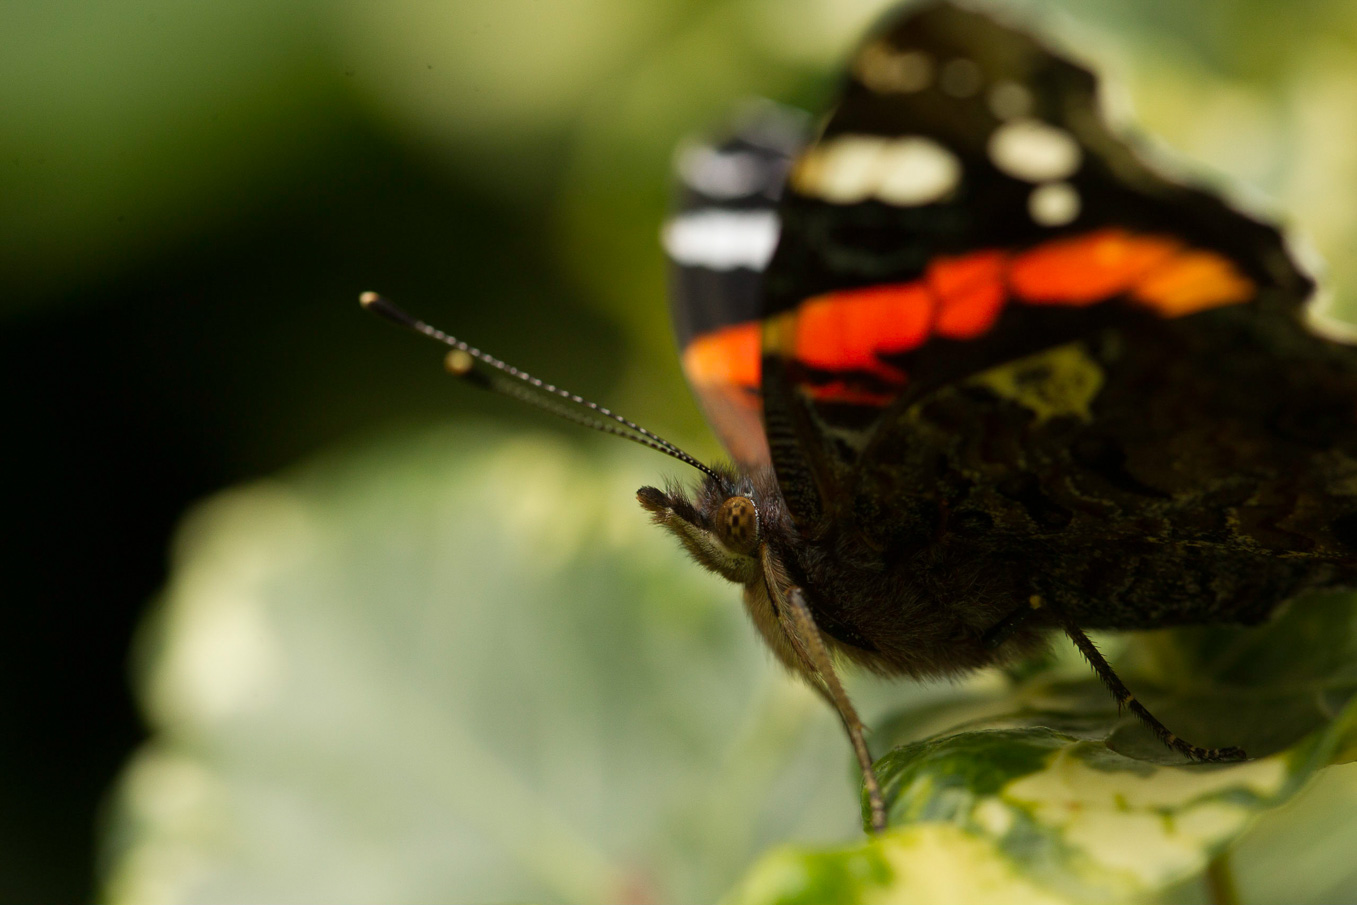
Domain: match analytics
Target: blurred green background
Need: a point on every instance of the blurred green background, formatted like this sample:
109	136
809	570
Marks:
192	195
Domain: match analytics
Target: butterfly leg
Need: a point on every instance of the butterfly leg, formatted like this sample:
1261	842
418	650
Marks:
1126	699
800	626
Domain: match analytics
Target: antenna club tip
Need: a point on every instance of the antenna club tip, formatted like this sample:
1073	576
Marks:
458	363
378	305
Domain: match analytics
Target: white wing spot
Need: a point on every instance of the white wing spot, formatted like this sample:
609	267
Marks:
960	78
906	171
723	174
916	171
1008	100
848	168
722	239
1033	151
886	70
1053	204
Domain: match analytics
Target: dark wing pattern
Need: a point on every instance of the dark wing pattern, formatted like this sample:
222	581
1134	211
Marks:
719	240
987	314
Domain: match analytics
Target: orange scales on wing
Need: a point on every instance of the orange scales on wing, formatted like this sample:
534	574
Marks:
723	368
847	332
849	329
1192	281
959	298
1157	272
1087	269
962	298
970	291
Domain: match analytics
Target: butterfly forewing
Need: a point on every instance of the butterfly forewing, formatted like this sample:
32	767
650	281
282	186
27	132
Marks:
965	206
990	330
719	239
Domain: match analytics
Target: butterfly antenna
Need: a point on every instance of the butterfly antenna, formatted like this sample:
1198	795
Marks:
505	379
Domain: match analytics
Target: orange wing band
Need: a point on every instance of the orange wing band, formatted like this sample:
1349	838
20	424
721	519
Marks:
970	293
963	297
959	298
723	368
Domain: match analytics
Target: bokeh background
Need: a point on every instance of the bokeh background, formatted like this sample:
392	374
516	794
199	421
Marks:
191	197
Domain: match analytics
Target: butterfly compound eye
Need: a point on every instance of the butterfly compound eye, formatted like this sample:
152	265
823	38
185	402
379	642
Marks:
737	524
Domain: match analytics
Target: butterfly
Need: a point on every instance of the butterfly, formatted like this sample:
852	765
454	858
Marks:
985	376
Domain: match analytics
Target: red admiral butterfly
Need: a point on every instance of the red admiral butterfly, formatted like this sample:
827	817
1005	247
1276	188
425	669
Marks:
985	375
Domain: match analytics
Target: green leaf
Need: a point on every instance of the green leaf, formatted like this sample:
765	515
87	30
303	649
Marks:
460	666
1046	793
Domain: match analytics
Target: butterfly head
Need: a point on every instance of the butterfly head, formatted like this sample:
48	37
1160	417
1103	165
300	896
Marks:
722	525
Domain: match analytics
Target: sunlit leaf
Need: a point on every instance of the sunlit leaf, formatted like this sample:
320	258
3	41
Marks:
1051	795
459	667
